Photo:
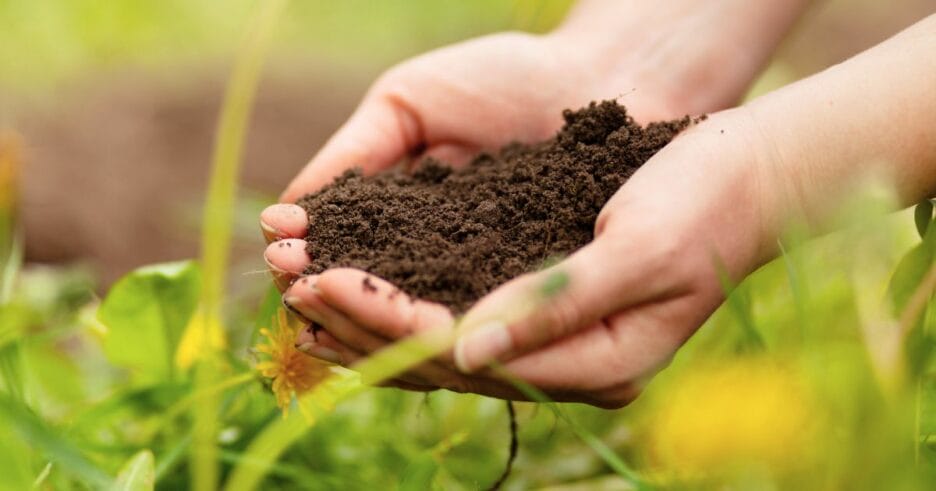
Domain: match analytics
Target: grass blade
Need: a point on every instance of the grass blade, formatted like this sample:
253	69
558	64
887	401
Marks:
281	433
607	455
217	228
740	305
50	442
260	456
137	474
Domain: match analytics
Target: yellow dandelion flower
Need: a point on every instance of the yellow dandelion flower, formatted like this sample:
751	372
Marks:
747	412
293	372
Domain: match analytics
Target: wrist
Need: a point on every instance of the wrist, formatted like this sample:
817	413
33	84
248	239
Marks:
696	57
708	187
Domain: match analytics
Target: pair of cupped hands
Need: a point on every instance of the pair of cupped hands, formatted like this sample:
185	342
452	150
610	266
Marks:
630	298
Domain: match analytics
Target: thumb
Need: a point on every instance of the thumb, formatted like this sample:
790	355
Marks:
535	309
380	133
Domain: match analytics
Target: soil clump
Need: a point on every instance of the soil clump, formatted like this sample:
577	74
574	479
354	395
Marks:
451	235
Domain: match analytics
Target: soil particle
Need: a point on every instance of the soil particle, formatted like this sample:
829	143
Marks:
314	328
452	235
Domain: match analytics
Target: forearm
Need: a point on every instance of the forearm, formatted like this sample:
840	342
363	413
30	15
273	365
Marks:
703	54
871	117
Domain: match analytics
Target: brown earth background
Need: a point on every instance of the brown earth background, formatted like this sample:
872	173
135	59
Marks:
116	161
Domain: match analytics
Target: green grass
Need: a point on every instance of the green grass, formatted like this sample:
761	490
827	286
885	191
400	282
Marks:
68	40
361	438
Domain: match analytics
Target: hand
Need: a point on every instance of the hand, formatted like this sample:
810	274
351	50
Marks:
479	95
449	104
720	194
631	297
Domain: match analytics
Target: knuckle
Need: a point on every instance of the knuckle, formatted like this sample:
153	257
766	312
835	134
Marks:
425	316
601	223
416	317
392	80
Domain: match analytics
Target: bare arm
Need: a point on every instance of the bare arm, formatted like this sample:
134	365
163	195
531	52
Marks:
873	116
702	54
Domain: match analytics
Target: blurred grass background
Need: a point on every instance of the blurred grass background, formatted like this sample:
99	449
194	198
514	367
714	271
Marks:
68	39
114	104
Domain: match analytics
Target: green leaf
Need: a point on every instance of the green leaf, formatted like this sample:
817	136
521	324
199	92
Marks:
919	345
138	474
11	370
910	271
282	432
16	460
923	215
420	473
30	428
145	314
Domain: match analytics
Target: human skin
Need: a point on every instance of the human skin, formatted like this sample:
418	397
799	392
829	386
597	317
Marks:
725	188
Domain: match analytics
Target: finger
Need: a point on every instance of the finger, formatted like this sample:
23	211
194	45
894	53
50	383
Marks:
378	305
382	309
536	309
538	368
304	297
380	133
309	334
323	346
326	347
625	347
283	221
286	259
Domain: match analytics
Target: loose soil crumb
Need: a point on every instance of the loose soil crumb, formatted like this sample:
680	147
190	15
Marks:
452	235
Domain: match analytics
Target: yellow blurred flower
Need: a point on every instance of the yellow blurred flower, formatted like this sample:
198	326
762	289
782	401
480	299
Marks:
202	335
293	372
9	169
748	412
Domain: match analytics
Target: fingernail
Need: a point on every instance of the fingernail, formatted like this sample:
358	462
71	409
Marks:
290	304
297	306
273	268
268	230
481	346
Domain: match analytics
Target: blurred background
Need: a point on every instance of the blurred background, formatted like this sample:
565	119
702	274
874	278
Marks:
115	102
807	377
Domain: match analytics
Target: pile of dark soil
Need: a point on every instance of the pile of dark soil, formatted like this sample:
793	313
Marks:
452	235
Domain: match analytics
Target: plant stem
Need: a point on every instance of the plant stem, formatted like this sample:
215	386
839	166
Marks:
216	230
